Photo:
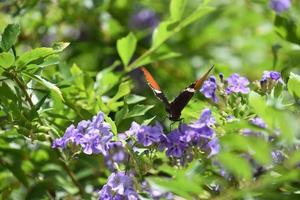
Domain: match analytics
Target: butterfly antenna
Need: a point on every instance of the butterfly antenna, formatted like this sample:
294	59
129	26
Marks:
199	82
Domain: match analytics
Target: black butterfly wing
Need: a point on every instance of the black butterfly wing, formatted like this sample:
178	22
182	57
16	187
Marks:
178	104
155	87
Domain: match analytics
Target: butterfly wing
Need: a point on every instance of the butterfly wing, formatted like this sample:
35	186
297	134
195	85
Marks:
201	80
155	87
178	104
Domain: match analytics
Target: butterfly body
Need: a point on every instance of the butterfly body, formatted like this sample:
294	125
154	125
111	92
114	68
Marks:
175	107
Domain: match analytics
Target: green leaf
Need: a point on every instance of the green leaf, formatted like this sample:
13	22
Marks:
6	60
178	185
259	105
16	170
294	159
124	89
162	53
167	28
287	29
132	99
9	36
126	47
52	87
49	61
258	148
200	12
294	84
235	164
112	124
39	190
162	32
60	46
148	121
275	118
138	110
33	55
177	9
39	53
106	80
120	115
185	182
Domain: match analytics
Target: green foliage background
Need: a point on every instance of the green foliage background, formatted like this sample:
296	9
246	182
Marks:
48	84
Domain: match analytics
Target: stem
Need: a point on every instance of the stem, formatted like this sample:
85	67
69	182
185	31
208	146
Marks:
67	169
14	51
23	88
147	53
71	175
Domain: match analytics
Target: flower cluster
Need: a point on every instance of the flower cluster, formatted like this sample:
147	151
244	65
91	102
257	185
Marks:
116	155
280	5
269	80
93	136
272	75
119	186
198	135
146	135
237	84
209	89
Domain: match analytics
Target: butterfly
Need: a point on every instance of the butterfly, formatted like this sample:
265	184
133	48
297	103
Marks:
175	107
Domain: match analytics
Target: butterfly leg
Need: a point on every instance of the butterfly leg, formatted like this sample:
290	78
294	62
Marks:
172	125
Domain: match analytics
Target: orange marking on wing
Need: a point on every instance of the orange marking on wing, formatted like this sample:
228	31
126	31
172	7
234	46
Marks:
150	79
200	81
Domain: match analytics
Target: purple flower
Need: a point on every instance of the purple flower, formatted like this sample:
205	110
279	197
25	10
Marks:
93	136
257	121
237	84
116	155
120	182
91	143
277	156
119	186
146	135
198	134
175	146
209	89
71	134
214	147
144	19
280	5
273	75
206	118
200	129
106	193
